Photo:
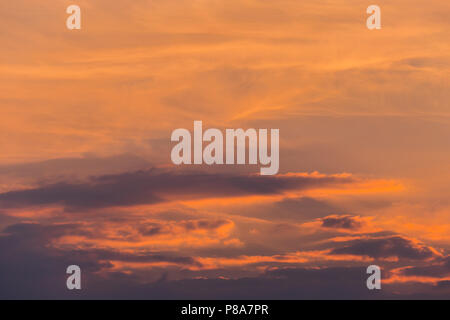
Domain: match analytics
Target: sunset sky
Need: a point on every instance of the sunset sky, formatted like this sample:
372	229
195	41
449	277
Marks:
86	177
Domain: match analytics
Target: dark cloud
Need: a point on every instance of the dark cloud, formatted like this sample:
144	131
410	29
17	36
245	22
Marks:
440	268
87	165
156	228
424	62
342	222
292	209
327	283
394	246
6	220
303	208
29	236
32	268
110	255
205	224
153	186
37	235
444	284
86	195
151	229
288	284
41	274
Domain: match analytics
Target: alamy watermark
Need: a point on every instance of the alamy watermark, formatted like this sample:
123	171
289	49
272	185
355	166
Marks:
74	280
221	152
74	20
374	20
374	281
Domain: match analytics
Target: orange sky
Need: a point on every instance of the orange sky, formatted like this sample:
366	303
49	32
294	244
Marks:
86	117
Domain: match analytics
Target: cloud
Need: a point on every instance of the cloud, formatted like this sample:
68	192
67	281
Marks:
299	209
154	186
290	283
378	108
184	227
30	236
342	222
82	166
32	267
388	247
438	269
445	284
35	234
285	283
111	255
